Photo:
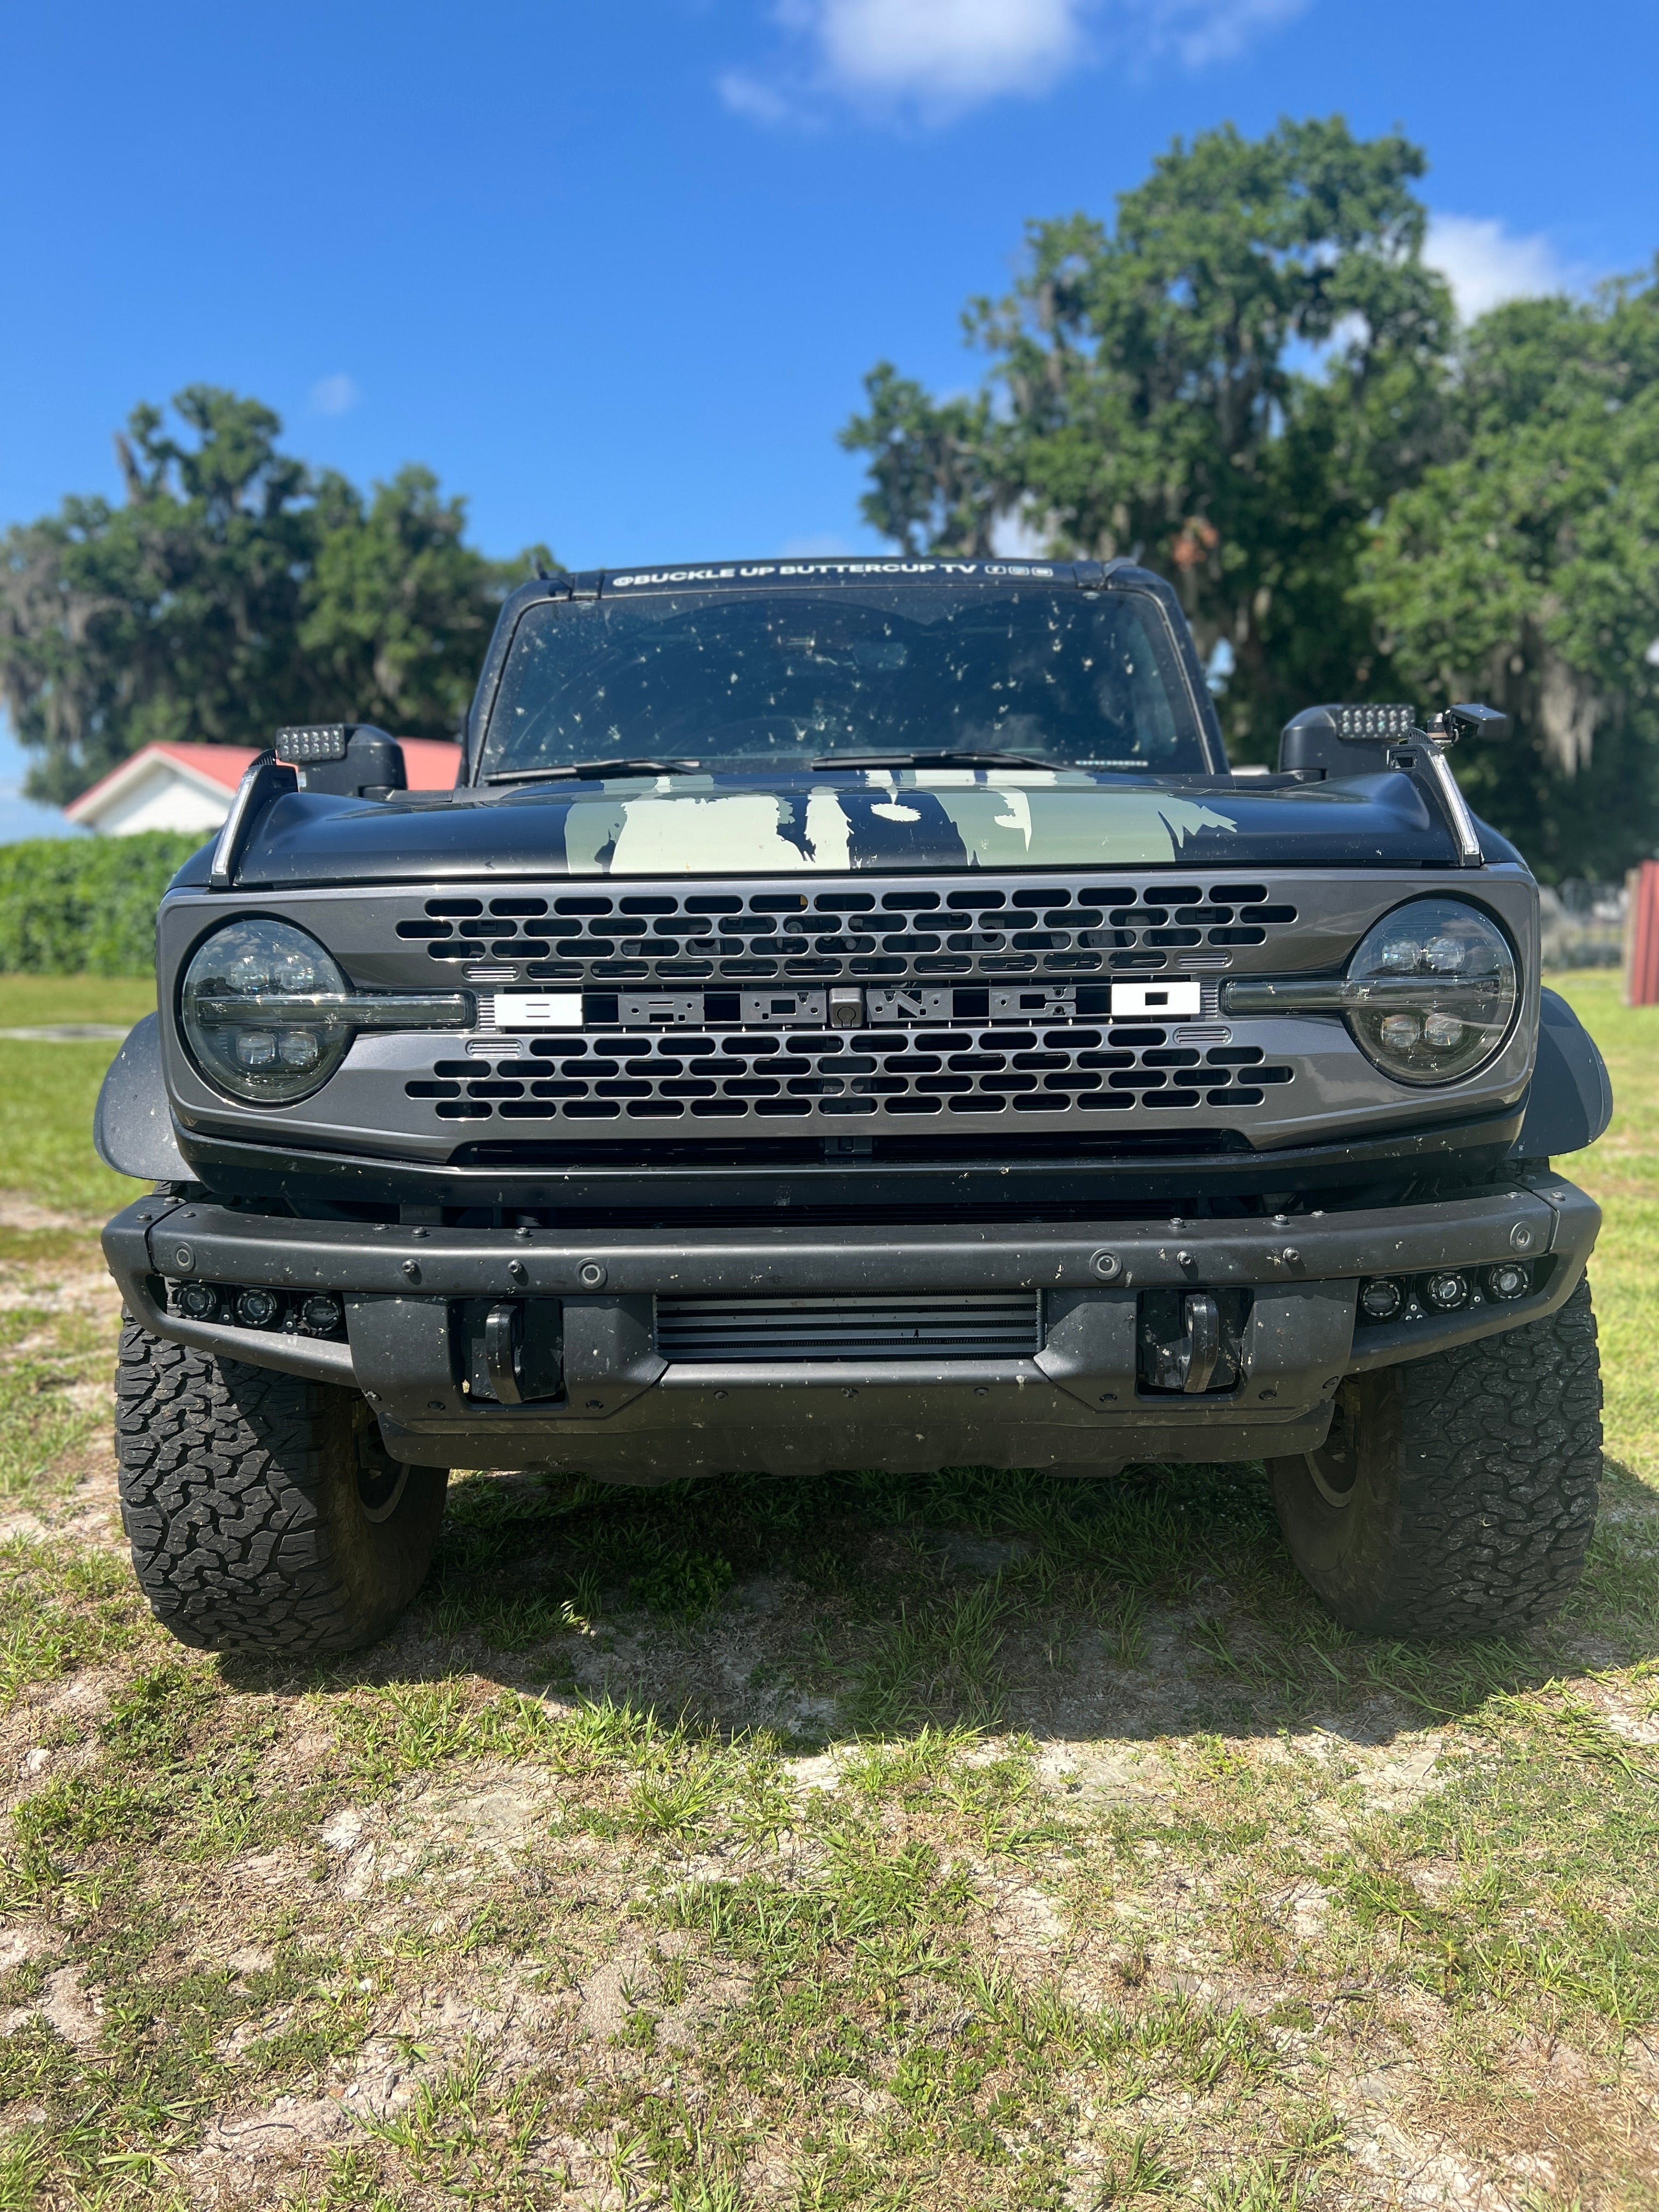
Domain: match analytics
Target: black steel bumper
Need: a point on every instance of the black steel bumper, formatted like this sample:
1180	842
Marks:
626	1412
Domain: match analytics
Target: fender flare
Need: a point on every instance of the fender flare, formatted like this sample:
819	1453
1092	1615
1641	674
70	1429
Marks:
132	1128
1570	1101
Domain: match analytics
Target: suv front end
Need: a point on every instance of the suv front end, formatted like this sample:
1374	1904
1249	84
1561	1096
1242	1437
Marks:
653	1117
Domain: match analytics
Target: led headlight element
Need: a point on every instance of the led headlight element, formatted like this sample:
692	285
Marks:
256	1011
269	1015
1432	991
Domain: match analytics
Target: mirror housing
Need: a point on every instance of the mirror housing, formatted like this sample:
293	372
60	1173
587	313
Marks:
348	760
1345	740
1340	740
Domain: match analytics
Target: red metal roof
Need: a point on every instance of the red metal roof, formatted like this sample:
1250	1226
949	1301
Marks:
431	764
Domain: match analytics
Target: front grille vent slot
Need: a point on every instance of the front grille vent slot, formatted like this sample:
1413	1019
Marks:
662	937
743	1075
955	1325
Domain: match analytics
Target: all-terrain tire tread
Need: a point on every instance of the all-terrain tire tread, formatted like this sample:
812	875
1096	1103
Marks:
220	1469
1501	1463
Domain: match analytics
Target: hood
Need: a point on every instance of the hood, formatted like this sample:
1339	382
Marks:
797	824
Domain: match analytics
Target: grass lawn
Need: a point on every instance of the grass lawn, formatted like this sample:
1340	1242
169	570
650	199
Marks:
967	1841
47	1091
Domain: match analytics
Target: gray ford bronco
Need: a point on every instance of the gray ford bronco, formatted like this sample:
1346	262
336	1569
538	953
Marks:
848	1014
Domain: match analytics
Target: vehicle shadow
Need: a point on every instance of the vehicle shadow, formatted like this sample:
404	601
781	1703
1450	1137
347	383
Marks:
1157	1602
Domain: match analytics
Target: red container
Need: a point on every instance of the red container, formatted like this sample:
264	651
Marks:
1642	935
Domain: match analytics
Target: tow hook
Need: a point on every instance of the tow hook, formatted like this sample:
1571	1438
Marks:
1190	1340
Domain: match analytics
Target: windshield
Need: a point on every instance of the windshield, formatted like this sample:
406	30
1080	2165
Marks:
769	679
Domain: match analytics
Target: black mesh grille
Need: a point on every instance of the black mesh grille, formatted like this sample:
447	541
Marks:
730	1076
961	1325
980	930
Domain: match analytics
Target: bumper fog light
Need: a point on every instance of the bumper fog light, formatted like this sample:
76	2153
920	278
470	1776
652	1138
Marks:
1510	1279
1382	1299
258	1309
198	1300
321	1314
1445	1292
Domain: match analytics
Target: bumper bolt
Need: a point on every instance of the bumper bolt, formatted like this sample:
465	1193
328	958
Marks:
1105	1265
412	1269
1521	1237
185	1257
591	1274
517	1271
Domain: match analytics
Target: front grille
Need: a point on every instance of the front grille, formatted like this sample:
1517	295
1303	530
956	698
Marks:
747	1075
977	928
961	1325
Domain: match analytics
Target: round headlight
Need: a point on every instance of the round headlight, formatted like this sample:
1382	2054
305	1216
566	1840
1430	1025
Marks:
263	1007
1432	991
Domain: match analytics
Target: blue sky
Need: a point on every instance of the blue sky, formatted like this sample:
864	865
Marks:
616	272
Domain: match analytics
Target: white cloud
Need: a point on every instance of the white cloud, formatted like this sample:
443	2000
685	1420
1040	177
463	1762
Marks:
934	59
1204	31
945	53
1485	265
334	395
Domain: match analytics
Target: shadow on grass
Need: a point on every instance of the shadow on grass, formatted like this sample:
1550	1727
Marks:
1155	1602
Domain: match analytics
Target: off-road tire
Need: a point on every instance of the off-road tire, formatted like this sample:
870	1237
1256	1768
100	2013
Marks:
264	1512
1456	1495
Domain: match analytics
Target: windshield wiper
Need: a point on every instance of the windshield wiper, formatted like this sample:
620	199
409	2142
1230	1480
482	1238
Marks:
946	758
594	768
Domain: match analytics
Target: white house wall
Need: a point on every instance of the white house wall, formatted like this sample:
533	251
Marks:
161	799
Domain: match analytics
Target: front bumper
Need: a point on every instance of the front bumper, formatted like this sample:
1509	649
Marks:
628	1413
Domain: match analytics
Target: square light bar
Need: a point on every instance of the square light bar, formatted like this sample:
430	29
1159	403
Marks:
305	742
1376	725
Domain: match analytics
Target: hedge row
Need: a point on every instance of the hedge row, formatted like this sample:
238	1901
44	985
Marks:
86	906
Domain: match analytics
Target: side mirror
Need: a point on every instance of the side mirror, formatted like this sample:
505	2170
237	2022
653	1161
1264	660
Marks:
349	759
1345	740
1320	738
1452	723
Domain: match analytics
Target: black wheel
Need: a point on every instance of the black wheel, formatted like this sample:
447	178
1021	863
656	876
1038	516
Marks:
264	1512
1455	1495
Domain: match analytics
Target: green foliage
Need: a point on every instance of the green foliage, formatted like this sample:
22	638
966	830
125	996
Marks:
1143	398
685	1585
75	906
1254	384
1524	569
234	591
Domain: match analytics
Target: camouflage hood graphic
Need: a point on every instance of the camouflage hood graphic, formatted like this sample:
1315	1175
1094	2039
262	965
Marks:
925	818
841	824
